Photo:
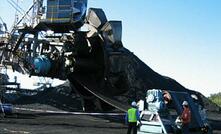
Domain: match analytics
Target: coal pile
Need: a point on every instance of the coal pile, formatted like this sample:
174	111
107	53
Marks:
60	97
128	78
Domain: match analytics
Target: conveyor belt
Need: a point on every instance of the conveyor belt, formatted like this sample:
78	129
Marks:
65	112
89	85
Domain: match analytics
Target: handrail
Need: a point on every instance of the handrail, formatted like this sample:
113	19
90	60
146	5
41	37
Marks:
59	6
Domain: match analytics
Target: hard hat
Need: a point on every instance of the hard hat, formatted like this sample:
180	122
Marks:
133	104
185	103
194	97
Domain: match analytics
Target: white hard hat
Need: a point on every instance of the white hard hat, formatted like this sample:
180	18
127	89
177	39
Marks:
134	104
185	103
194	96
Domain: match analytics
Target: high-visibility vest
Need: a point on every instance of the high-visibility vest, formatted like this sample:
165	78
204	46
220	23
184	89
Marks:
132	115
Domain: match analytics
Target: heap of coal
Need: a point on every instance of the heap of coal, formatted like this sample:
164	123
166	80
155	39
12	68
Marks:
60	97
126	78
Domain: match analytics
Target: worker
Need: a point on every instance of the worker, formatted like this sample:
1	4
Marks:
131	118
186	117
167	97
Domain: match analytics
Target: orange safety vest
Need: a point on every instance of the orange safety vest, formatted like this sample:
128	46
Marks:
186	116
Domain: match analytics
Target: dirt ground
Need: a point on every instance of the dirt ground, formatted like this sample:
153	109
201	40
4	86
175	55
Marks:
43	123
39	122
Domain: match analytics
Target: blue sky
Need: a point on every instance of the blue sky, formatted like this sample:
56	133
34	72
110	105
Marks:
177	38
